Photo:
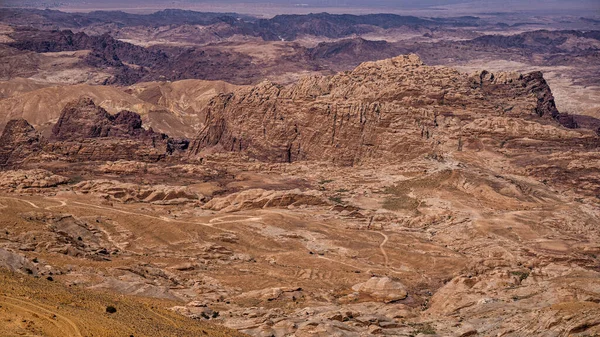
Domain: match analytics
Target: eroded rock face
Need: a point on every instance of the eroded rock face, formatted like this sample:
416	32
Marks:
16	263
471	236
86	132
19	140
259	198
127	192
382	289
391	109
21	180
523	85
83	119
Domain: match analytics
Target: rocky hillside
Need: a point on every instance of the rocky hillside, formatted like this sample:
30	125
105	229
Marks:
395	199
400	109
378	110
129	63
86	132
287	27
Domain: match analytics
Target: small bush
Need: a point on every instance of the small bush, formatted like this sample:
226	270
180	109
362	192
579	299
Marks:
521	274
425	329
110	309
76	180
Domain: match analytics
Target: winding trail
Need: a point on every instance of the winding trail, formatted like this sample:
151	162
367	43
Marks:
383	252
23	200
62	204
161	218
339	262
215	221
67	327
172	322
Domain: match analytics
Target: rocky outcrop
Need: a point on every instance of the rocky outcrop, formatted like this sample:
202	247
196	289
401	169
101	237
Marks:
16	263
531	84
259	198
21	180
394	109
127	192
83	119
382	289
86	132
19	140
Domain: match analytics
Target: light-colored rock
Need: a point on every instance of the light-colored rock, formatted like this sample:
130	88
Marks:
382	288
259	198
30	179
128	192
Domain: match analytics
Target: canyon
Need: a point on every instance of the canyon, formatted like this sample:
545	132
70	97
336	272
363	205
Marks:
331	184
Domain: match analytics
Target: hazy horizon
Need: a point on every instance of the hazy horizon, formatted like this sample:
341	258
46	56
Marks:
272	7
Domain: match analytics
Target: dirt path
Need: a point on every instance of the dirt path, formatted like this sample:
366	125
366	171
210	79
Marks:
62	204
67	327
383	252
340	262
22	200
161	218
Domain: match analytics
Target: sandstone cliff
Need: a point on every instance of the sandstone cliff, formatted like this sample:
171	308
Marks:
18	141
395	108
86	132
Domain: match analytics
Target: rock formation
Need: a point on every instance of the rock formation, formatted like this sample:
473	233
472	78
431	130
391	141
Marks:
394	109
462	205
18	140
86	132
259	198
382	289
23	180
127	192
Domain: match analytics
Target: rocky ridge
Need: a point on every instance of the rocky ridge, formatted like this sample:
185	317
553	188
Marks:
461	206
86	132
377	110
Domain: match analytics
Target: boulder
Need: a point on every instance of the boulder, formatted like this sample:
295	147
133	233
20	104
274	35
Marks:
382	289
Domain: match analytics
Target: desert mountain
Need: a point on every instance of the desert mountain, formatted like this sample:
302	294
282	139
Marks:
279	27
168	107
397	198
86	132
376	110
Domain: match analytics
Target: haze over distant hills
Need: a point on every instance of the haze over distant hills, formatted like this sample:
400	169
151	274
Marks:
269	8
432	170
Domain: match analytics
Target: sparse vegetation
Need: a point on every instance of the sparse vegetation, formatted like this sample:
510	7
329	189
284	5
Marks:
76	180
302	205
336	199
521	274
425	329
401	203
